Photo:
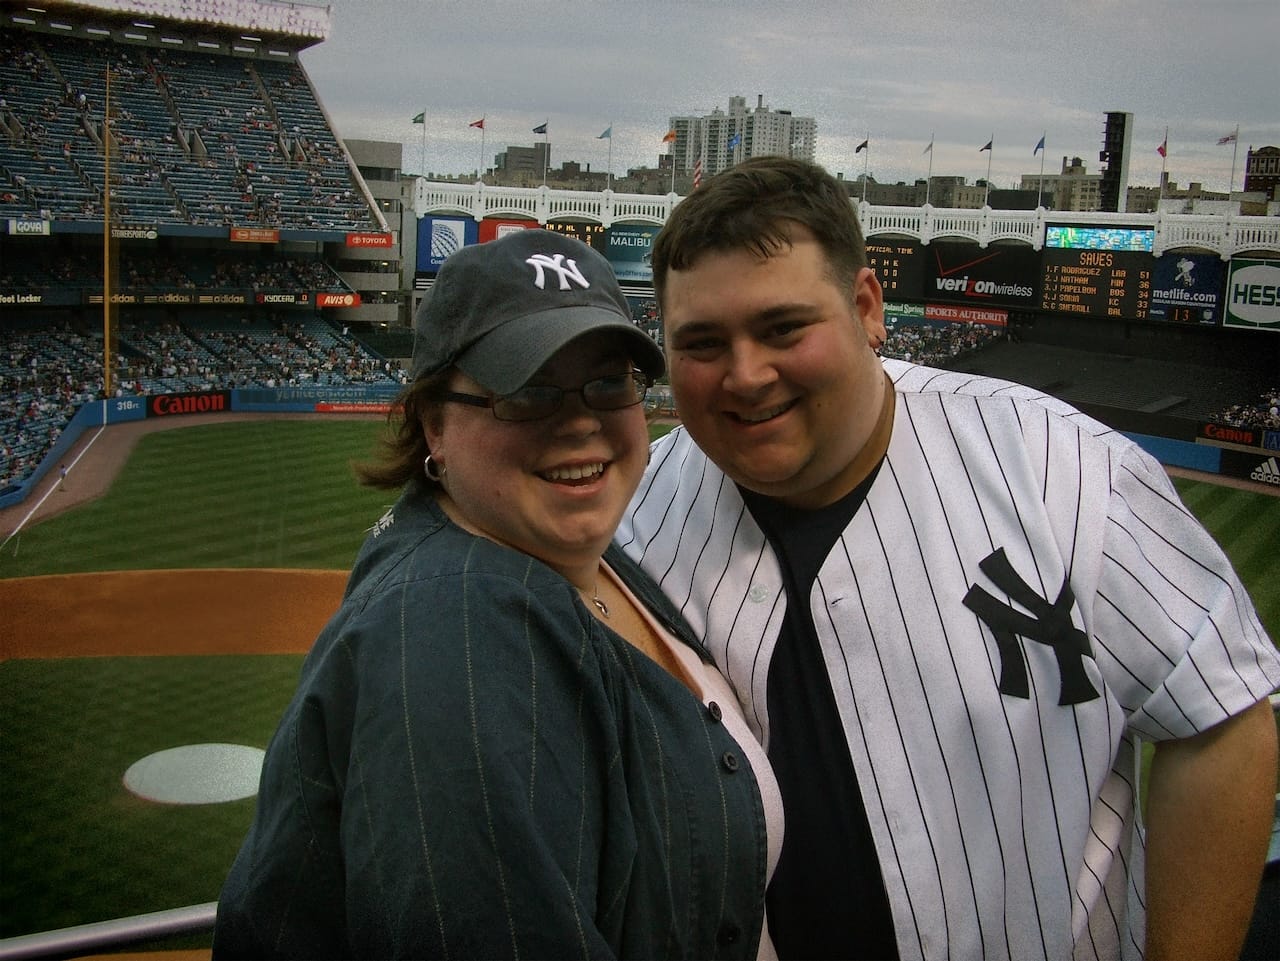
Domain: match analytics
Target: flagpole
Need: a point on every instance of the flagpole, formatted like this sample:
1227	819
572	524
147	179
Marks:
866	162
1040	189
1235	149
928	183
423	167
482	126
990	153
609	178
1164	163
671	155
546	149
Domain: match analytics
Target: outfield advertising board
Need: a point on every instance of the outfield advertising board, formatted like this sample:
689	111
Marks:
438	237
1253	295
1186	288
629	249
982	277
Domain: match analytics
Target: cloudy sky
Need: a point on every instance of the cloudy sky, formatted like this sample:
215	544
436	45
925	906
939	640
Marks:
896	72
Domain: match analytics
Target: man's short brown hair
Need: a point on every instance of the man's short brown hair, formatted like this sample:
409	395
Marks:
751	206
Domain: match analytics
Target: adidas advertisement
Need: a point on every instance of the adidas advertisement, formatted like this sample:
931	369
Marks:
1268	472
1260	469
1253	295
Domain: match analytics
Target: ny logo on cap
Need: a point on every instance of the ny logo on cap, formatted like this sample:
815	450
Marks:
567	269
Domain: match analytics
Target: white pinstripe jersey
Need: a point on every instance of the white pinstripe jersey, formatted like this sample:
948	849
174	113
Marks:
1004	822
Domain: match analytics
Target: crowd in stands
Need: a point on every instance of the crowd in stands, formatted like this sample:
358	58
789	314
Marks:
199	140
1264	413
48	372
936	346
138	271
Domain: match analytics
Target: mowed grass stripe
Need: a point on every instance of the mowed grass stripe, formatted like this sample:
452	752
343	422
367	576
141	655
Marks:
258	494
282	494
1247	525
78	847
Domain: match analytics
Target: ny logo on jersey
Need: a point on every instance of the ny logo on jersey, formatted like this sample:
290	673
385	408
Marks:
566	268
1051	625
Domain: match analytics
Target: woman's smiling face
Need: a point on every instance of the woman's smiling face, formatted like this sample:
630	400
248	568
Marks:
553	488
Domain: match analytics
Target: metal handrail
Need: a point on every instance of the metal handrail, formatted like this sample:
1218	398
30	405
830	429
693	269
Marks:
104	934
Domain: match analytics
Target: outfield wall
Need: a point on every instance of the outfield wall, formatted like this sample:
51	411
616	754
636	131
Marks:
285	400
1211	448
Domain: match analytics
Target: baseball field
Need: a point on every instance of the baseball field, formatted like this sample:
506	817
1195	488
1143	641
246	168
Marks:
112	648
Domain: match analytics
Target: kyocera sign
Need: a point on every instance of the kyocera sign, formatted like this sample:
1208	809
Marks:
1253	295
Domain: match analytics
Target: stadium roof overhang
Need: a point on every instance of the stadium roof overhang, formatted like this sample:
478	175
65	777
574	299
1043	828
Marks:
245	28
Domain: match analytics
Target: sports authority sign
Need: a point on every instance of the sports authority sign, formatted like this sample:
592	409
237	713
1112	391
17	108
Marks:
1253	295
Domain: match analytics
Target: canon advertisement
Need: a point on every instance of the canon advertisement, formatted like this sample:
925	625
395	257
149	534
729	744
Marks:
982	277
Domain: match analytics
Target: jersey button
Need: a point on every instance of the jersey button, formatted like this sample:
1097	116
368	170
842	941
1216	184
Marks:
730	761
728	933
714	712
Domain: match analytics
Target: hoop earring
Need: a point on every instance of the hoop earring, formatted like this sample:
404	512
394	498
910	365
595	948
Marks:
435	472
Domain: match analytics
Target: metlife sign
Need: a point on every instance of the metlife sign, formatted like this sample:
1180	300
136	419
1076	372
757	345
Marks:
1185	288
1253	295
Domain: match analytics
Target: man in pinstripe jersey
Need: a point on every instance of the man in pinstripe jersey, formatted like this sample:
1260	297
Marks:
953	608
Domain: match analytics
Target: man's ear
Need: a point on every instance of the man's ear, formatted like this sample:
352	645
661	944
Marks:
868	303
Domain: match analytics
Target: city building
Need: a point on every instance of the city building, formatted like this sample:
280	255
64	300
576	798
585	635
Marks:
1073	188
722	139
1262	172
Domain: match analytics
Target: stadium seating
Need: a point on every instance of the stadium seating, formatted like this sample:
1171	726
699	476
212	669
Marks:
198	140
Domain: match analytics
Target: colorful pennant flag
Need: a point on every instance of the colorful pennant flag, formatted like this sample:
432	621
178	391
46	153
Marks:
1163	149
670	136
420	118
1039	147
928	149
734	141
607	134
987	147
1229	138
477	123
862	146
541	128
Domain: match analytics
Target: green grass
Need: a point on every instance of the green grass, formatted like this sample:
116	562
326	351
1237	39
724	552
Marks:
76	846
260	494
1247	525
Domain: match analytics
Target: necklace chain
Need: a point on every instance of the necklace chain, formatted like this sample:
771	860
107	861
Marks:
596	599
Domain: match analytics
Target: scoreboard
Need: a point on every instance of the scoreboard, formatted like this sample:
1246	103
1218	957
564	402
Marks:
899	266
1098	283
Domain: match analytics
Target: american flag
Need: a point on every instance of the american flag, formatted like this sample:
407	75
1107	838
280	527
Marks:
697	173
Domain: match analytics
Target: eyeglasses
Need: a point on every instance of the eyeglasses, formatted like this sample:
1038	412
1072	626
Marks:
614	392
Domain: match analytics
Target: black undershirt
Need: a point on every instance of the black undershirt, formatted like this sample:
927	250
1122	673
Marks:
827	898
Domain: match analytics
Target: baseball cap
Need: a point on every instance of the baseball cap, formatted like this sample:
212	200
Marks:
500	310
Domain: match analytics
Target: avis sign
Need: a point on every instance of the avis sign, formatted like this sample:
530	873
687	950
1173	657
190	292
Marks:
1253	295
